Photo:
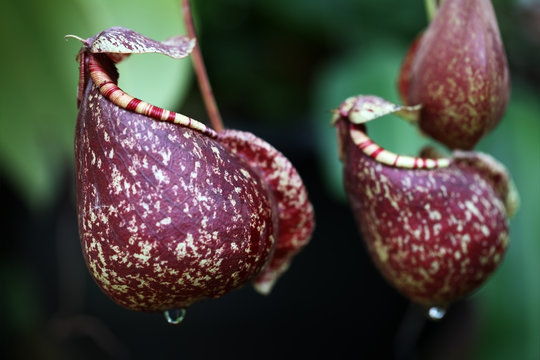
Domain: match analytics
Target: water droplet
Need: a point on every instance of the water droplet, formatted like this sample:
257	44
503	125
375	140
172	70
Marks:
436	312
174	316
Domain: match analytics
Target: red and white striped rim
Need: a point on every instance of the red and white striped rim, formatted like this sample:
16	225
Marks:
110	90
389	158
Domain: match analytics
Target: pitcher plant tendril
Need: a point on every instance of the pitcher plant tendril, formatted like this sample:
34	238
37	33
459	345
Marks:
431	8
200	70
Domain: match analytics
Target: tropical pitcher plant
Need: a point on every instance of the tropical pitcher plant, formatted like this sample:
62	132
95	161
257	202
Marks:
435	226
172	211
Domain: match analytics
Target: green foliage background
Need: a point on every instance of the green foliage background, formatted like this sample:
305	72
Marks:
301	60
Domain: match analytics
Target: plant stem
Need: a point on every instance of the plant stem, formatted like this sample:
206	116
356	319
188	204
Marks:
200	71
431	8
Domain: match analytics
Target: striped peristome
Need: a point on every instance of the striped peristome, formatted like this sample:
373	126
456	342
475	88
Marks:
389	158
117	96
361	109
117	43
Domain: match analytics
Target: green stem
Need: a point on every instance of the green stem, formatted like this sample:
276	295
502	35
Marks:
431	8
200	70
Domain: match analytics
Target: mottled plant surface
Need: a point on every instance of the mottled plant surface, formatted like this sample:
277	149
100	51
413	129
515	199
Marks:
118	40
167	215
295	212
435	227
437	234
41	263
457	70
170	212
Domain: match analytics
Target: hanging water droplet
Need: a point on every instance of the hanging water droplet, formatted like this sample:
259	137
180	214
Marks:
436	312
174	316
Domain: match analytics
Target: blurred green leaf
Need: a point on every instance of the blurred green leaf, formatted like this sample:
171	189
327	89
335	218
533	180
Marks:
38	107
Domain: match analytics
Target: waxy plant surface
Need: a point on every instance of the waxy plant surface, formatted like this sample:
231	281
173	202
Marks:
436	228
165	210
295	212
171	212
436	234
457	71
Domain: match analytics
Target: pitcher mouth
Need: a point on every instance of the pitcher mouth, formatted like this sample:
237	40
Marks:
359	110
110	90
386	157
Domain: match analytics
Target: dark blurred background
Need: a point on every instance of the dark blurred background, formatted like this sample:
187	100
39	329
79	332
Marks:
278	68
